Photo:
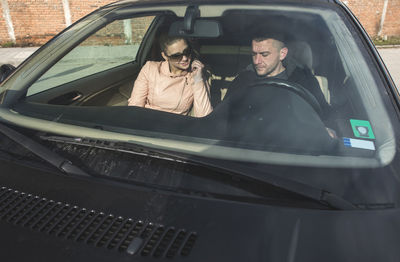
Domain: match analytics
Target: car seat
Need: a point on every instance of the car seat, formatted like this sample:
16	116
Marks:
301	55
224	63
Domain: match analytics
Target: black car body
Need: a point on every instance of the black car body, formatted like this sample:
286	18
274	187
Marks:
84	177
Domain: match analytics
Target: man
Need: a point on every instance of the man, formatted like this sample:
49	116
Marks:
268	54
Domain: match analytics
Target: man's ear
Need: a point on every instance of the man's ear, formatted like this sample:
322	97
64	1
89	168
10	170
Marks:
164	56
283	53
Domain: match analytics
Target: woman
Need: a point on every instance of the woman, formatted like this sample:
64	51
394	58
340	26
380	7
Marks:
175	85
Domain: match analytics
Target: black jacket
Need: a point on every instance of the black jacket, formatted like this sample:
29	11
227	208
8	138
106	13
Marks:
297	75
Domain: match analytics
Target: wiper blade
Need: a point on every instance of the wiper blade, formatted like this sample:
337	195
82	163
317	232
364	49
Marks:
322	196
43	152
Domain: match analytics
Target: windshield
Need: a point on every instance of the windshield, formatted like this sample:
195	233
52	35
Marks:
279	85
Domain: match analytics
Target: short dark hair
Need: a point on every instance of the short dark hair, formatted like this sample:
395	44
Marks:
264	35
166	40
274	28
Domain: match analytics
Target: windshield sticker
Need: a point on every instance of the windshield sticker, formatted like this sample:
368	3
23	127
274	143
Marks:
362	129
358	143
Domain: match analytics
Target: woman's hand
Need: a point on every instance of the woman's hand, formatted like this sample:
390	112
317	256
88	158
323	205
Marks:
197	71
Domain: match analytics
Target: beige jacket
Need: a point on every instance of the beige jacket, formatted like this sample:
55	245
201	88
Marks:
157	88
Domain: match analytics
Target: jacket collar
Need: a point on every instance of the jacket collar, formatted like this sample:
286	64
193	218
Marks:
164	69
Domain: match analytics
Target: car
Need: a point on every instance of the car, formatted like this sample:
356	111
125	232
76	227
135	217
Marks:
268	175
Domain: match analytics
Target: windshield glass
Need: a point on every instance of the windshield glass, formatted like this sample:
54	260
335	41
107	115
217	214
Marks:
280	84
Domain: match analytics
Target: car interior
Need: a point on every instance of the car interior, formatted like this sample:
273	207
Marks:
105	94
224	57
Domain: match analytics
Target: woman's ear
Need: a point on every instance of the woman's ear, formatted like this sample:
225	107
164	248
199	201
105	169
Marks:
164	56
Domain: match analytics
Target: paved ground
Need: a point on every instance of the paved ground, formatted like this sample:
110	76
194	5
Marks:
15	55
391	57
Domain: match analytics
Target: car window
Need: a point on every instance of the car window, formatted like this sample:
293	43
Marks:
115	44
338	117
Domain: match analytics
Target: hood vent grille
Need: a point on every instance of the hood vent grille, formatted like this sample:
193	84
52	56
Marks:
94	228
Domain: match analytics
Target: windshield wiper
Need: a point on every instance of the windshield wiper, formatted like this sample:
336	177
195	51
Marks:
232	168
320	195
43	152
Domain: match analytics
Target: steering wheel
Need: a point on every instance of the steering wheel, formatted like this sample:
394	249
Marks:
293	87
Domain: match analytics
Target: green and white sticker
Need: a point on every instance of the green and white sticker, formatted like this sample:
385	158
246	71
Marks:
362	129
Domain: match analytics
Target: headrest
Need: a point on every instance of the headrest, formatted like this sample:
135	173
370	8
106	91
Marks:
301	54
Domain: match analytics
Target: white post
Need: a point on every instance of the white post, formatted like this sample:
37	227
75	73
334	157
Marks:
67	12
383	17
7	18
128	31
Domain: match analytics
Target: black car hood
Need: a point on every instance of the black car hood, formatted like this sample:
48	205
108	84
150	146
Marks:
47	217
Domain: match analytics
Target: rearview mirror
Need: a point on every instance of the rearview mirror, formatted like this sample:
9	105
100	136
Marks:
201	29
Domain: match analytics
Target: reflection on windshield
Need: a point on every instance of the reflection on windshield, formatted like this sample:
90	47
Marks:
84	61
286	86
66	72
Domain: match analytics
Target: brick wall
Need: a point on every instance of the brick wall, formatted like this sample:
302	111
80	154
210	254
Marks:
392	21
35	21
114	33
369	13
80	8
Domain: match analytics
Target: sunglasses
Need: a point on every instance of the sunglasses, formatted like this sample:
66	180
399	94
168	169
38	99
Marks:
178	56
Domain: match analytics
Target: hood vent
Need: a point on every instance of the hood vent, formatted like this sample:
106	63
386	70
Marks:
94	228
